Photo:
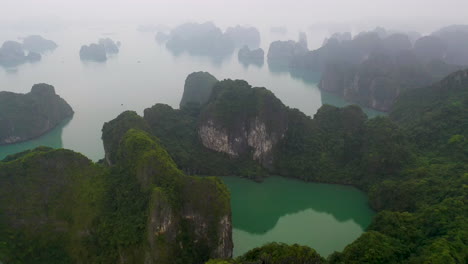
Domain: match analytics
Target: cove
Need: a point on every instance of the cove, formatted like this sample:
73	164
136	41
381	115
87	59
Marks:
325	217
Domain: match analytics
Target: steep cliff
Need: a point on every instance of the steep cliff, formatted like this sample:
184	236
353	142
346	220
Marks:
282	53
12	54
244	36
248	56
240	120
373	68
189	219
247	131
50	199
378	80
59	207
438	111
197	88
38	44
200	39
26	116
93	52
412	165
109	45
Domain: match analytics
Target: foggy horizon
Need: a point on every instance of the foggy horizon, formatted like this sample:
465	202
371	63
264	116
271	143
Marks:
419	15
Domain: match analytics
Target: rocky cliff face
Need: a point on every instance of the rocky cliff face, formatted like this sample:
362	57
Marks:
185	212
380	79
374	67
240	120
200	39
49	200
26	116
247	56
93	52
197	88
283	52
109	45
241	36
59	207
12	54
38	44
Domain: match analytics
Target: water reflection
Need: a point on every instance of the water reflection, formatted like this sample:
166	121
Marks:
10	70
216	59
335	100
325	217
247	62
258	206
313	79
51	139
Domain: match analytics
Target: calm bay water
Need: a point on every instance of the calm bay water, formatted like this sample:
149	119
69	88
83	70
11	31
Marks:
323	216
142	74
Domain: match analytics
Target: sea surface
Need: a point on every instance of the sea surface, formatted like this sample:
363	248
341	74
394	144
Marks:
325	217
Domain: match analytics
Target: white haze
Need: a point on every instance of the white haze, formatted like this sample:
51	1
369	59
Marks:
333	15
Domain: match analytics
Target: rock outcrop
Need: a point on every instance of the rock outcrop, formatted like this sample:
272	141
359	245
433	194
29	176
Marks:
27	116
430	48
197	88
455	38
109	45
33	57
244	36
248	56
93	52
250	126
100	51
338	36
380	79
184	212
12	54
303	40
59	207
396	43
38	44
283	52
373	68
199	39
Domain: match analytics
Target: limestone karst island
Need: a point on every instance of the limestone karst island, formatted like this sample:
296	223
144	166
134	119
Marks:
234	132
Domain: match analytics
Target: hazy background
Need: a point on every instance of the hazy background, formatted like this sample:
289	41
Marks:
334	15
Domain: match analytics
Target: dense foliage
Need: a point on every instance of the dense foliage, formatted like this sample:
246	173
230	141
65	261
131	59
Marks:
413	165
26	116
59	207
415	183
276	253
197	88
177	130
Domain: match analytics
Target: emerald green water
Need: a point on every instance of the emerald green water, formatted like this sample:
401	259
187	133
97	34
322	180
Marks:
323	216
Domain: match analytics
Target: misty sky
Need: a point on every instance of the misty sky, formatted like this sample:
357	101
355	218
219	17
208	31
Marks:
418	13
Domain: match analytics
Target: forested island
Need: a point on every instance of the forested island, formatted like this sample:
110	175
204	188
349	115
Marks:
373	68
208	40
27	116
247	56
138	204
13	53
38	44
99	51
